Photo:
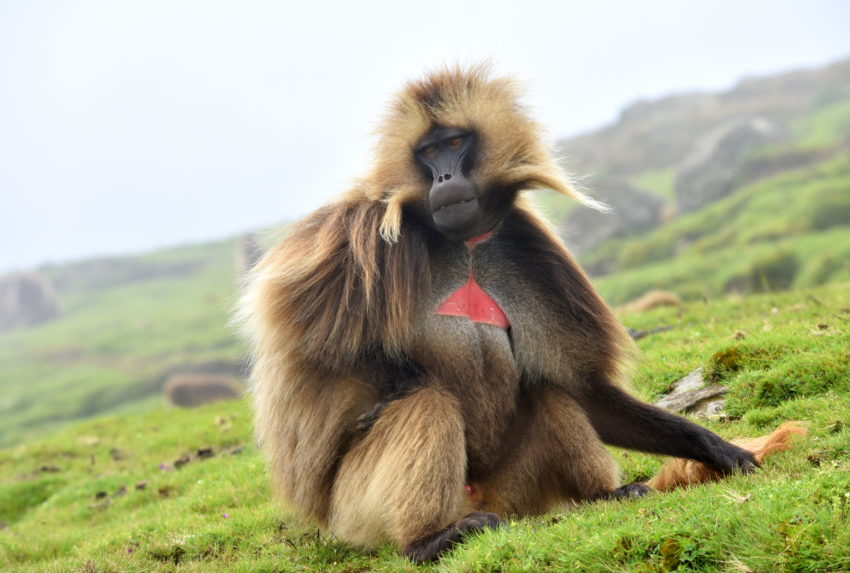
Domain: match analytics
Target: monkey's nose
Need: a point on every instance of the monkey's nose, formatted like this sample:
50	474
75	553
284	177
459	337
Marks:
450	190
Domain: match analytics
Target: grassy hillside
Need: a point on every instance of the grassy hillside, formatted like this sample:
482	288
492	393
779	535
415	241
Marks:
127	323
176	490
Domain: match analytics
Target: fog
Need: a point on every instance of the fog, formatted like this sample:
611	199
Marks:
126	126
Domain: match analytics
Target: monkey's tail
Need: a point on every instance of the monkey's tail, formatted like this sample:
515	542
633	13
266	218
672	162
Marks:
678	472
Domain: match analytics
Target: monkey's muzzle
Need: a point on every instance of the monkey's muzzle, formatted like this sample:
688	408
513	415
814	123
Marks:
454	207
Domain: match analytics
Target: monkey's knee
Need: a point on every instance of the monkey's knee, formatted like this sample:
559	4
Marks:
404	479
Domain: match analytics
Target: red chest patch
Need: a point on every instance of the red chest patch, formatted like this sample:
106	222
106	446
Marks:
471	301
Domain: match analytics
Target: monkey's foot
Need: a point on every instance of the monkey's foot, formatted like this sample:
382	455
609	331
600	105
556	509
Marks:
632	490
432	546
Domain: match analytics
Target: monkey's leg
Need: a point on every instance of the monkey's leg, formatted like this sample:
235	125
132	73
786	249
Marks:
553	456
404	481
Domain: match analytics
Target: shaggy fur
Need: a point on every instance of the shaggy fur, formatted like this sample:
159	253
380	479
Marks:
383	420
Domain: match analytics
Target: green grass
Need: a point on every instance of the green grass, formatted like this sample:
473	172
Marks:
74	501
116	340
661	182
826	126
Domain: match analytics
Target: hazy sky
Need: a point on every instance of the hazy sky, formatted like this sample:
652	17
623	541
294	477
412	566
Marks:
131	125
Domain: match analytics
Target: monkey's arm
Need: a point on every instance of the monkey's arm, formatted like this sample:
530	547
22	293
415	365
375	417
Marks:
574	341
624	421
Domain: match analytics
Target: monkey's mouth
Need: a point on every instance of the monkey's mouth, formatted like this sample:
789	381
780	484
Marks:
458	220
456	203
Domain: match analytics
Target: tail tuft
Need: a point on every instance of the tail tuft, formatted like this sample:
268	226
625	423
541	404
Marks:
678	472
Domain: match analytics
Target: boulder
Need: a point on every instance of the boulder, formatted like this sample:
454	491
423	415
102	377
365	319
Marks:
715	162
631	209
26	300
192	390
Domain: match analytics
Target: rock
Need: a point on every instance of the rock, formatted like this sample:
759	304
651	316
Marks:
249	251
689	394
691	381
638	334
189	391
632	209
715	162
26	300
650	300
692	400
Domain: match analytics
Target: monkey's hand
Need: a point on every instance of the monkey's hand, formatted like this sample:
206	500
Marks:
728	458
430	547
632	490
367	420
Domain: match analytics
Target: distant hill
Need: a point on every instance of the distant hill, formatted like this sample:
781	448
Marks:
810	107
692	149
754	185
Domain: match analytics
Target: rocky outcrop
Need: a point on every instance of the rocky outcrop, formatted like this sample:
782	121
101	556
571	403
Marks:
658	134
27	299
716	160
631	209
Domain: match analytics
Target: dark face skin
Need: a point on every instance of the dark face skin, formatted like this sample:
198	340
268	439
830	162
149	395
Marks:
456	206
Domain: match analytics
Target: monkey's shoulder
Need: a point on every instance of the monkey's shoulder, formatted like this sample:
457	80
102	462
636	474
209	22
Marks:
334	286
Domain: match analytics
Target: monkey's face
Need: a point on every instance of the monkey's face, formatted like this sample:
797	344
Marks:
446	157
459	201
456	149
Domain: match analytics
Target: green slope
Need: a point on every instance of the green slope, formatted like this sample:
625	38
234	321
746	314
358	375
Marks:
125	494
118	338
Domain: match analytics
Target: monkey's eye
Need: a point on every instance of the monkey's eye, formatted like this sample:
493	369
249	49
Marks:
430	151
455	142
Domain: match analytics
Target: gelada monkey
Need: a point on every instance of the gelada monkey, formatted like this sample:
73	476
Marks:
429	359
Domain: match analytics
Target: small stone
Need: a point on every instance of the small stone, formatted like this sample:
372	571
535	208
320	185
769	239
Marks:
205	453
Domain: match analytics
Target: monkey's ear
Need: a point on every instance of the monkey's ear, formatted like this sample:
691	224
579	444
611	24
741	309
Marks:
394	200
